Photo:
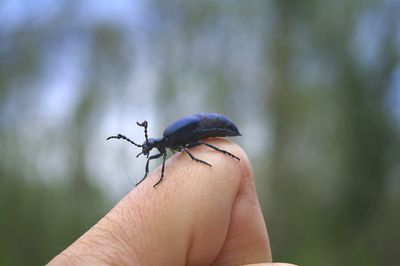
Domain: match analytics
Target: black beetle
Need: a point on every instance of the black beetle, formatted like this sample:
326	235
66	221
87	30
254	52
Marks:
184	134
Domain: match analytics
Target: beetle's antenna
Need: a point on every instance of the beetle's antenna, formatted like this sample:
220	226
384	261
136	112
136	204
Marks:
144	124
119	136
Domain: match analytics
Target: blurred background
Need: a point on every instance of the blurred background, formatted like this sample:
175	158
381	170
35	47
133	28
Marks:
314	87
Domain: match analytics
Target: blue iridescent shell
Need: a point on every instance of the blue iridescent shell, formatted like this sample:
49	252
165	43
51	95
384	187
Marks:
195	127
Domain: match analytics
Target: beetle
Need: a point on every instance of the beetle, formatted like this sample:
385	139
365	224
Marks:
184	134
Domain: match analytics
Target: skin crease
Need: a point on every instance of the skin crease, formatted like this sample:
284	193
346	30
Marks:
196	216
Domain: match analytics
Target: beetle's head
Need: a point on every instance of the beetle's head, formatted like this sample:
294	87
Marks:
148	145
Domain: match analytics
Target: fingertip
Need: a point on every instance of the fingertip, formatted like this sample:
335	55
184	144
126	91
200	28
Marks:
193	207
221	162
181	170
193	201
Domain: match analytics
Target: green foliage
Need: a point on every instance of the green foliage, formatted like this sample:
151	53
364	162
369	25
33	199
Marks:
309	81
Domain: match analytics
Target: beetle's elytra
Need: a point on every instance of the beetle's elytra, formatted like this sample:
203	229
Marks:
184	134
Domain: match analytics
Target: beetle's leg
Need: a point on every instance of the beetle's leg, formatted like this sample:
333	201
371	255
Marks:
162	169
119	136
194	144
194	158
147	166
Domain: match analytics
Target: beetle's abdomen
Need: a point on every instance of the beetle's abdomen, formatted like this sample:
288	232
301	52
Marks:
199	126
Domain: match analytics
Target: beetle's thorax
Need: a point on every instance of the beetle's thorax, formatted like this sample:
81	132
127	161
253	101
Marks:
152	143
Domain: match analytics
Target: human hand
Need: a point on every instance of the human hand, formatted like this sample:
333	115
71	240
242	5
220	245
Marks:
196	216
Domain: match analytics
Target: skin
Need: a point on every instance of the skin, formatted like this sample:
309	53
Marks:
197	216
